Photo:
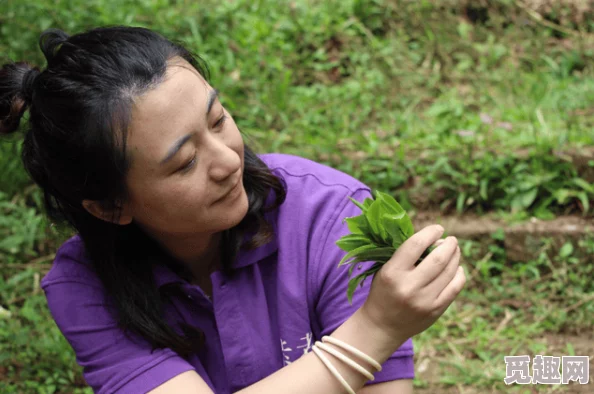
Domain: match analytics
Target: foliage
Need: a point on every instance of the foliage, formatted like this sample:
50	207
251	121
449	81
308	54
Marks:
375	235
458	107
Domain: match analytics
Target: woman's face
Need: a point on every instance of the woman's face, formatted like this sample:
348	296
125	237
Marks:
186	157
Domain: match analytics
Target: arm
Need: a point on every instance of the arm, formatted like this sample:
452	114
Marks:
308	374
112	361
401	386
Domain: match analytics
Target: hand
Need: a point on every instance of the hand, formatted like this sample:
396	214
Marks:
405	300
427	251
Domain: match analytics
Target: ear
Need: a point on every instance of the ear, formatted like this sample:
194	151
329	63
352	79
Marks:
119	215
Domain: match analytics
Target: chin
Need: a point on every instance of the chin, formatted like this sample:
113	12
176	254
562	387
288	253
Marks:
234	213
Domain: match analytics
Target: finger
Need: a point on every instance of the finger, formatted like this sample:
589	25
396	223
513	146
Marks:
409	252
437	261
445	277
449	294
439	242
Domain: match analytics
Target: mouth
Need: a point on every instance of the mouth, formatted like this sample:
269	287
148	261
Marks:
232	192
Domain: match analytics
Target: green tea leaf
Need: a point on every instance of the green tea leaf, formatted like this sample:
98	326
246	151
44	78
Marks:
392	225
373	218
360	279
375	235
358	225
390	204
353	283
357	203
357	259
352	241
355	252
351	268
376	254
367	203
399	227
376	267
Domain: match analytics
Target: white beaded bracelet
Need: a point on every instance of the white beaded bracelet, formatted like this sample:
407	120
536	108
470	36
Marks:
346	360
332	369
353	350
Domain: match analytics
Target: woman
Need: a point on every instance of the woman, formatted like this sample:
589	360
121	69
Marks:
198	266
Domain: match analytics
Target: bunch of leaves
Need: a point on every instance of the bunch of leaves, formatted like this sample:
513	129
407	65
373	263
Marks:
376	234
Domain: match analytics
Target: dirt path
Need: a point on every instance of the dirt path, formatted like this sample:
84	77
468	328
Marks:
522	241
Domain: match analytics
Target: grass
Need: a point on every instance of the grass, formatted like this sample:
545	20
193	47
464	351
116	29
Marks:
511	310
452	108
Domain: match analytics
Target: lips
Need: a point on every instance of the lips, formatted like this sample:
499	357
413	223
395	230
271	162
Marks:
231	190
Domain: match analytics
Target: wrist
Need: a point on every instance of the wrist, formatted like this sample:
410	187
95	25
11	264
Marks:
359	331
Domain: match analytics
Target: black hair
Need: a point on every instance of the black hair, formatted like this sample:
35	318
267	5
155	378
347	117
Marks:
75	149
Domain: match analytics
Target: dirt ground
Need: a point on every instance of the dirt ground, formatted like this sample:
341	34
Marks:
522	241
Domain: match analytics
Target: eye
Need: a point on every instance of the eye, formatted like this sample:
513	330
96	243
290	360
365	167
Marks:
221	120
188	166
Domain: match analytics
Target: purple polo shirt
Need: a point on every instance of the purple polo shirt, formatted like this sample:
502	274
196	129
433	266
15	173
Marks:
287	294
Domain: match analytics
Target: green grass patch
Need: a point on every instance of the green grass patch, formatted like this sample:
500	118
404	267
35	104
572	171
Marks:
459	108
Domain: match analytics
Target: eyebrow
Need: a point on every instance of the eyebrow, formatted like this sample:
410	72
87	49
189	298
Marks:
212	95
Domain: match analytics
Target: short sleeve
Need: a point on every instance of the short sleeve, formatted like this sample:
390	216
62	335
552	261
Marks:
111	361
333	308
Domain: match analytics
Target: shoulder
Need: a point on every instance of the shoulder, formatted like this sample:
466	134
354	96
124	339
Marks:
317	201
307	179
70	264
316	196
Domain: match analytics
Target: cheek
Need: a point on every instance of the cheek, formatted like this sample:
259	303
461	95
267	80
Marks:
169	198
236	140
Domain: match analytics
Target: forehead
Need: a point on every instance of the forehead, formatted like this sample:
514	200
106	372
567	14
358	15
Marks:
174	107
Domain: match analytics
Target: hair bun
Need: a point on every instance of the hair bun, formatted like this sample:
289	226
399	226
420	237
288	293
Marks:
28	80
50	42
16	91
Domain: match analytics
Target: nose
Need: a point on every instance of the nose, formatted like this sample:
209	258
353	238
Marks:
225	161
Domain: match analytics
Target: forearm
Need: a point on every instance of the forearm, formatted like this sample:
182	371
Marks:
309	375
